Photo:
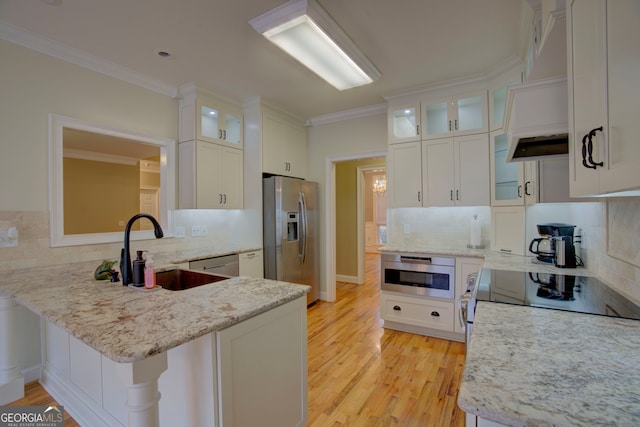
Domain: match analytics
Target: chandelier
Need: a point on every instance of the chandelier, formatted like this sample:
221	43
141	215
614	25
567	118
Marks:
380	186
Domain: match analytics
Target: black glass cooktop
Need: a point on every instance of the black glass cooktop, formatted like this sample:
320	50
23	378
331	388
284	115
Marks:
554	291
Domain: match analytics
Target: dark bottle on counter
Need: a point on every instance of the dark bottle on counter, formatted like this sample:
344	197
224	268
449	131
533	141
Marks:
138	270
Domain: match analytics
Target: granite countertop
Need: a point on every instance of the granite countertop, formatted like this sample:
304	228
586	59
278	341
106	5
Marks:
530	366
128	324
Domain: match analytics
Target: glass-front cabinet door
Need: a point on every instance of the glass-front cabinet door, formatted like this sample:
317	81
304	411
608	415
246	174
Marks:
404	123
220	123
506	177
463	115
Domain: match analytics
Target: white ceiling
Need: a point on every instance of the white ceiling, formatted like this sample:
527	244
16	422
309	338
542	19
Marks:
414	43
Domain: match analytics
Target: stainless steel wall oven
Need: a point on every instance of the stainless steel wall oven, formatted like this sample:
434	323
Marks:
418	274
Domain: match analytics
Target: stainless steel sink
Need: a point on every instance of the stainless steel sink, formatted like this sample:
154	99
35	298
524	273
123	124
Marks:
179	279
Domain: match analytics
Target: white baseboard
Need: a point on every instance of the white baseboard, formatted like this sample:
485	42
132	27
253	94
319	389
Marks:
348	279
31	373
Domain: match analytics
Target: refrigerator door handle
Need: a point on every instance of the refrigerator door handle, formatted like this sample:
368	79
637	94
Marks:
302	208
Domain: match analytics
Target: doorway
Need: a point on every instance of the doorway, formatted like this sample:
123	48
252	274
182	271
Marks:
359	213
374	208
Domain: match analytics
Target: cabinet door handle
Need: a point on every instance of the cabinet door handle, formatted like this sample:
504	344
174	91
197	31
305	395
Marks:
220	198
587	149
526	188
506	250
224	134
219	133
456	124
225	199
397	308
419	197
449	125
451	195
519	191
592	133
457	194
435	314
417	130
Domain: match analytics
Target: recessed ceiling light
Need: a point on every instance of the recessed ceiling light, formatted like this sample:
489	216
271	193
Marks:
164	54
53	2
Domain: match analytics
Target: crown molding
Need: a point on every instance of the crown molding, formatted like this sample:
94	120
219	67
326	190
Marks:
370	110
83	59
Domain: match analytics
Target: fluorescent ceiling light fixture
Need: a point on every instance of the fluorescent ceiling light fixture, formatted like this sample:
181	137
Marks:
304	30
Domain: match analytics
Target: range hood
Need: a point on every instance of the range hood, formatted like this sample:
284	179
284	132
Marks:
536	120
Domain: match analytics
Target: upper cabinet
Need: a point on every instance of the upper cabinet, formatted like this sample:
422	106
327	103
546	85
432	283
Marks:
443	172
206	117
604	97
210	151
461	115
404	175
210	176
456	171
284	145
403	123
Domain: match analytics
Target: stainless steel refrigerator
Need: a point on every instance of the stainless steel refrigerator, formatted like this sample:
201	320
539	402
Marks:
290	232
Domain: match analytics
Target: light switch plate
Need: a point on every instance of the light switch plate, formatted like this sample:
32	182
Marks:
180	231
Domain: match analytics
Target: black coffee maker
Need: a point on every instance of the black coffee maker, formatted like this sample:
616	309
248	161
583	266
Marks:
555	246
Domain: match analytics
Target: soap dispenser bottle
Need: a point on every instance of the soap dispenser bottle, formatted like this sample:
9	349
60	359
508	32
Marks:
138	270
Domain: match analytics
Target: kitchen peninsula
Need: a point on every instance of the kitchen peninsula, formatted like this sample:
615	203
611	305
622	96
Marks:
118	356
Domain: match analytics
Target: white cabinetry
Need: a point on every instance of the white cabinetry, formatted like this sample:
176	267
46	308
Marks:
604	97
210	151
417	311
262	368
251	264
525	183
403	123
428	316
284	145
252	373
465	266
206	117
457	171
404	175
210	176
507	229
443	172
462	115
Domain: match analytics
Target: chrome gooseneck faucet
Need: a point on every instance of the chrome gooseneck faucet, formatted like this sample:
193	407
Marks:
125	256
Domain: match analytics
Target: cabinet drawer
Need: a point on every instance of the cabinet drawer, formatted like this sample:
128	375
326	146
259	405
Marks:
417	311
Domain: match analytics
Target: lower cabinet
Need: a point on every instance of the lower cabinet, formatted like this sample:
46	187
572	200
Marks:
252	373
419	315
251	264
474	421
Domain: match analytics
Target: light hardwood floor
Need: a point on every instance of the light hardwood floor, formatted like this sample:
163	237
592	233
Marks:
361	374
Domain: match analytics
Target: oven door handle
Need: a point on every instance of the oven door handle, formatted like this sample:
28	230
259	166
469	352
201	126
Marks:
415	260
463	308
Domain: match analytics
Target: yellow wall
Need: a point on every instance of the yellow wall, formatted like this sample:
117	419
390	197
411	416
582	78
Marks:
96	193
346	214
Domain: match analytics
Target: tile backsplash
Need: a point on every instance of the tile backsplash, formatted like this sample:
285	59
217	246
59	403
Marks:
226	231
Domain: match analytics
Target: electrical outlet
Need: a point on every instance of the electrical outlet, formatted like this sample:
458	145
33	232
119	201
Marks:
196	230
406	228
204	230
180	231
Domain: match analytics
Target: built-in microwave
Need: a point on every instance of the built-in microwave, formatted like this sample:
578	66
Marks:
418	274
